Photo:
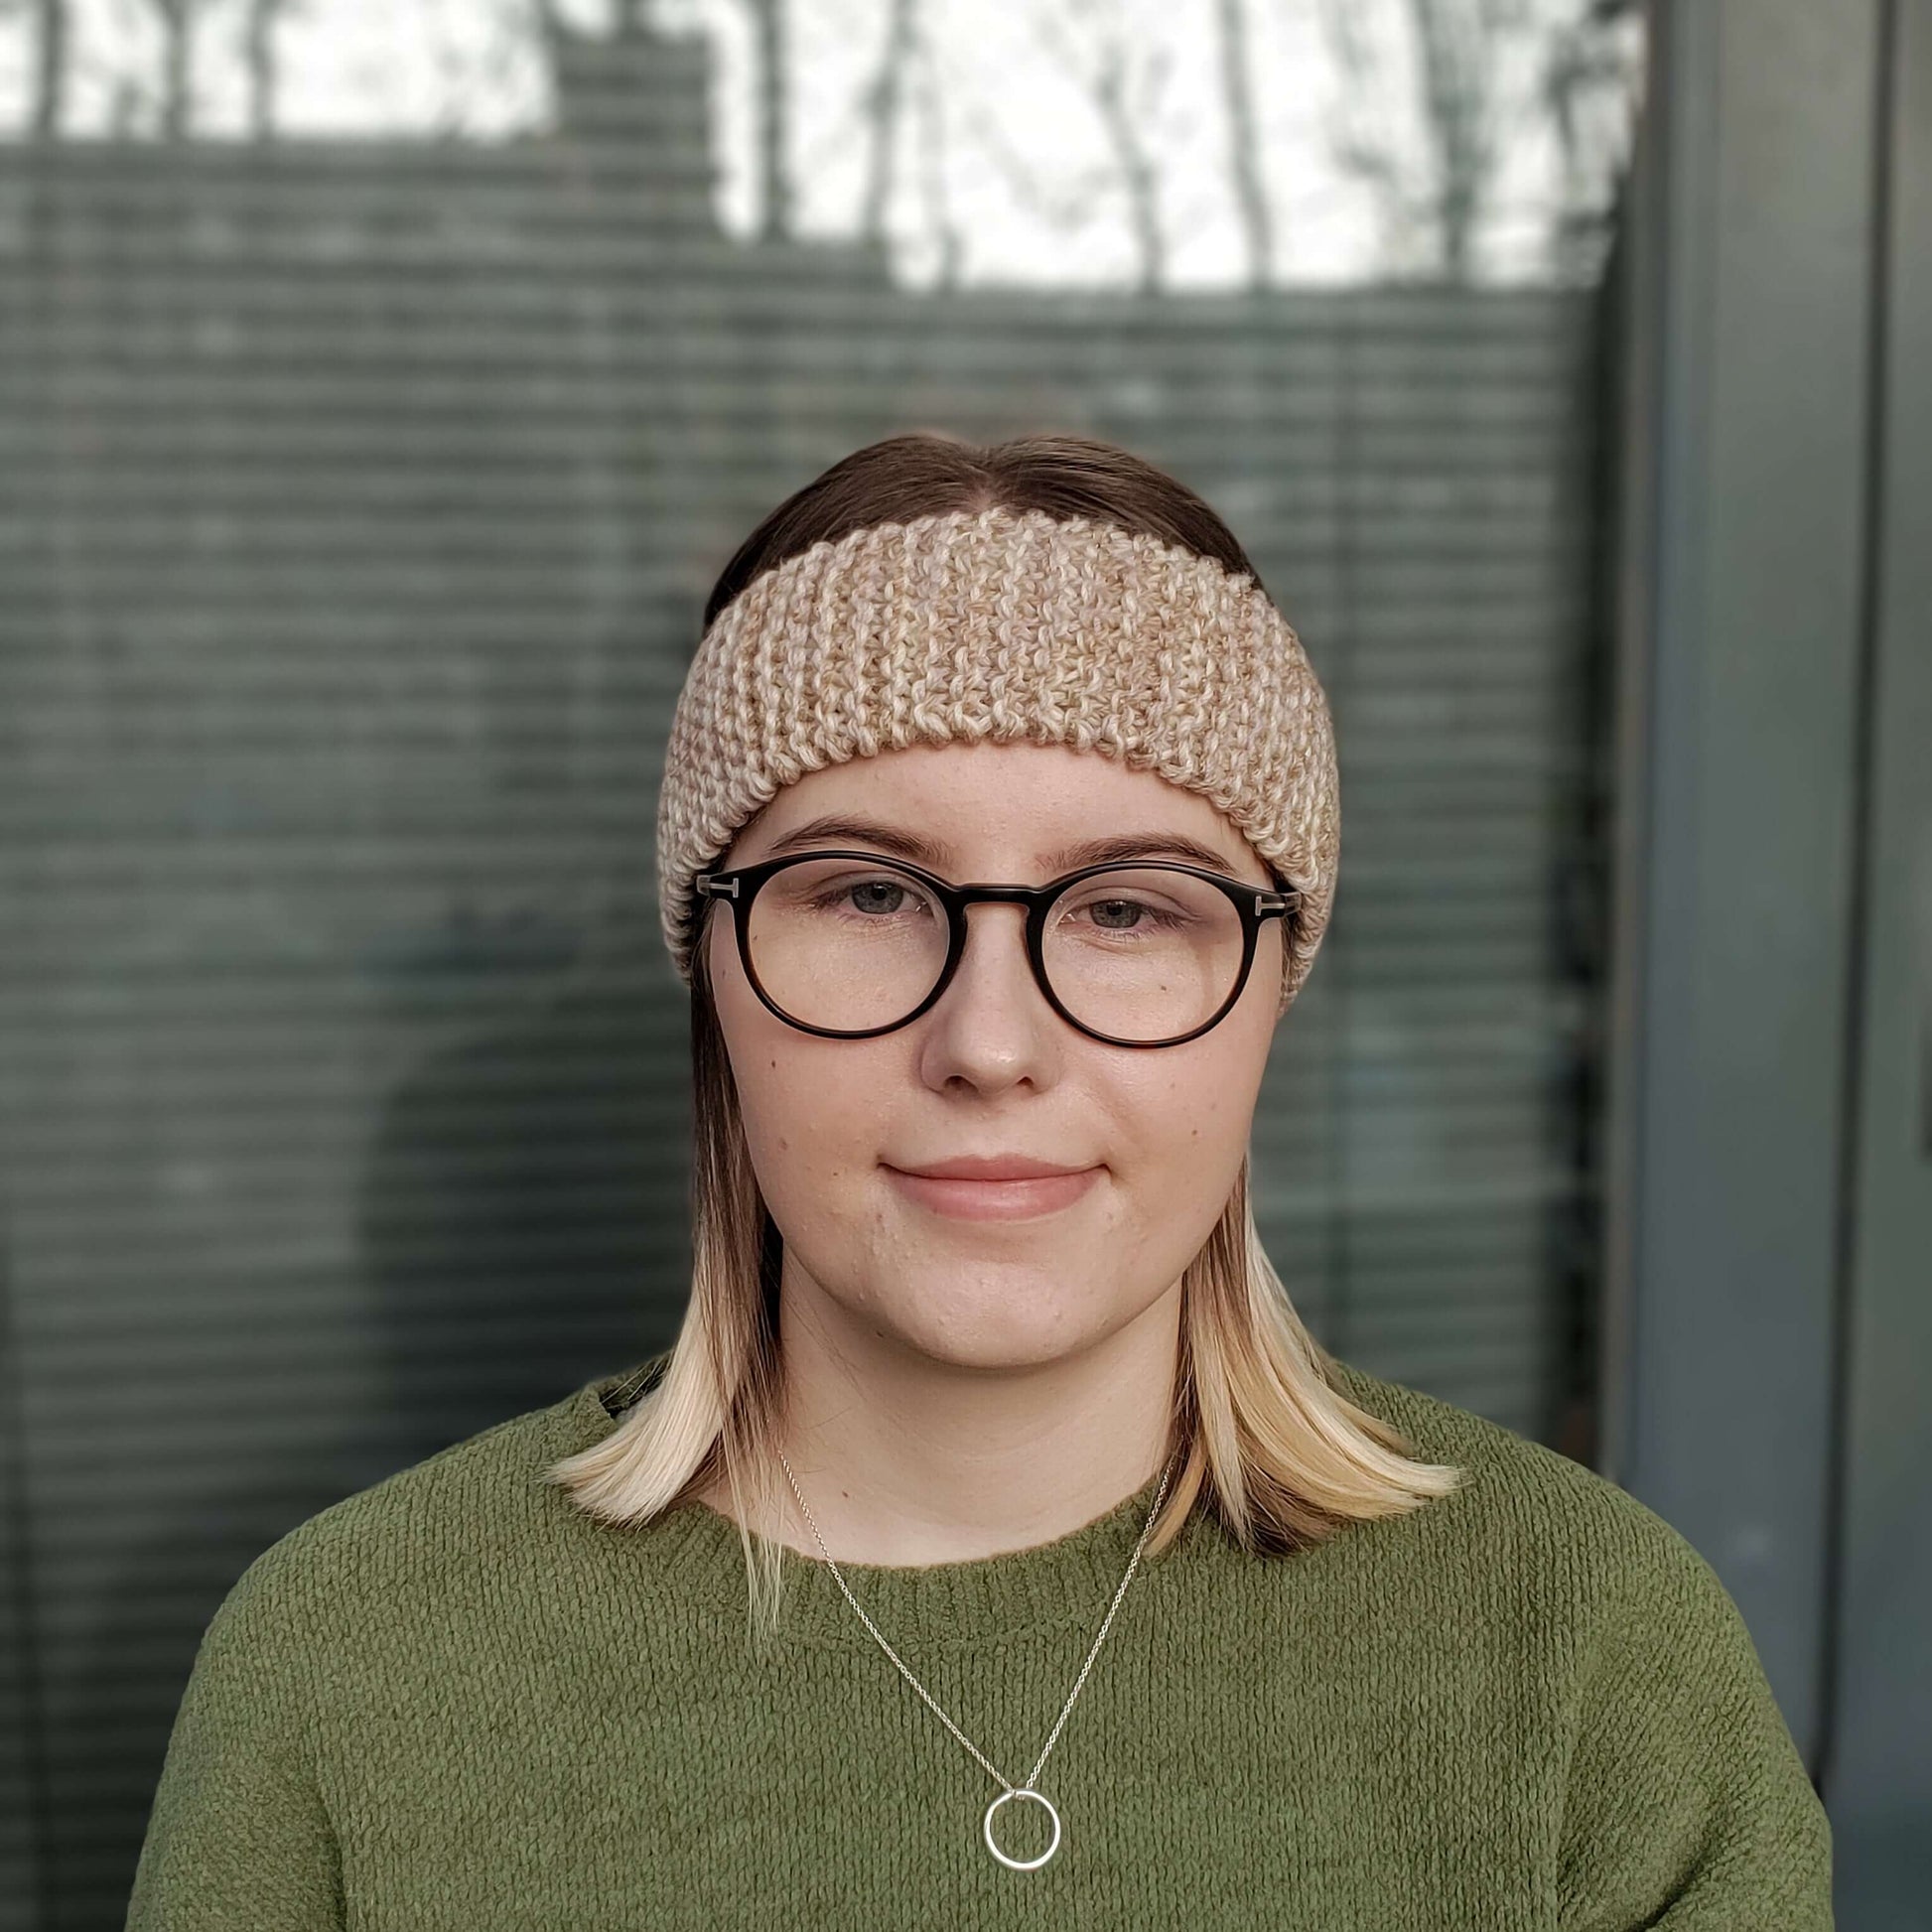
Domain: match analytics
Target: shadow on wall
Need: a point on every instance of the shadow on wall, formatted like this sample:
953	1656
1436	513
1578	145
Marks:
524	1227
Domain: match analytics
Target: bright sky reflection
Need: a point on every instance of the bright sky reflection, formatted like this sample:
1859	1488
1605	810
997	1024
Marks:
1007	164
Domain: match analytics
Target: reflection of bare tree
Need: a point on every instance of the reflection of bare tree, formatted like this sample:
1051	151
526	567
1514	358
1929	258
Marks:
883	107
177	63
908	78
932	166
258	60
774	181
1588	71
1244	147
1126	93
1430	206
1461	43
1431	94
49	67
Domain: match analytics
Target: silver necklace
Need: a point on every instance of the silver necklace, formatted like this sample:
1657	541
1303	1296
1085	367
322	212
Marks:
1008	1791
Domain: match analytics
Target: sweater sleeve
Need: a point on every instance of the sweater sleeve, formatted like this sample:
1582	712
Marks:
238	1836
1687	1805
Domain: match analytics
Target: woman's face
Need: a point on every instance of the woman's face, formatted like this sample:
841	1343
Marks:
993	1069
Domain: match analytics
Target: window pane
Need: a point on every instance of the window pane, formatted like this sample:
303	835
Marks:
381	389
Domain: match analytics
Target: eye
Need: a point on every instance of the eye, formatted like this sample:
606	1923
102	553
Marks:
869	898
1122	915
1145	910
1118	912
867	895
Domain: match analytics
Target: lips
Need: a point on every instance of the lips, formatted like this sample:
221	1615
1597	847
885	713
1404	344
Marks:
1001	1196
992	1167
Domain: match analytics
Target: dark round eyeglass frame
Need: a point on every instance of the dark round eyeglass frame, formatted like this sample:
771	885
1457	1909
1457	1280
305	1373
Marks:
742	885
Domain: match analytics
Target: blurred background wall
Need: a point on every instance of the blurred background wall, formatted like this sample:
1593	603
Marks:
381	391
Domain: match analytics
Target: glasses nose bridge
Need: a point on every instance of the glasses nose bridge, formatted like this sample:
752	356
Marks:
965	897
987	894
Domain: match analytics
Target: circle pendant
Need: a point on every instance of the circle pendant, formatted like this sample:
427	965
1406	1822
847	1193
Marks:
1022	1865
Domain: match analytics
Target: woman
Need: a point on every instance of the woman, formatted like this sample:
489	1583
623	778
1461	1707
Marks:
994	1546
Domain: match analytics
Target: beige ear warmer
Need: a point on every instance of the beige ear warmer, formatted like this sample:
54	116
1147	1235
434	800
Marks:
1006	624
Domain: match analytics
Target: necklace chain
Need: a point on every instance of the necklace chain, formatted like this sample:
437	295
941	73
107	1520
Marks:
1007	1789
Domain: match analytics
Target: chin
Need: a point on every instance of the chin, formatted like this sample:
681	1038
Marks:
1012	1328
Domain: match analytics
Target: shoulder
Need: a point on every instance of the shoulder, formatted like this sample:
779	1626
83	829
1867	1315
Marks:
1534	1531
1681	1794
463	1526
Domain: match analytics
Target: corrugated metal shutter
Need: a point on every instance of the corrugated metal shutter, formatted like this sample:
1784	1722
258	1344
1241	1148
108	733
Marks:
359	504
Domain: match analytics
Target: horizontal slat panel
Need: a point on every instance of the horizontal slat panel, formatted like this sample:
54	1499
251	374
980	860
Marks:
357	505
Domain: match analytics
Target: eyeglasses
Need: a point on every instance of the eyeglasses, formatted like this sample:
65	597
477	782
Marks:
1133	953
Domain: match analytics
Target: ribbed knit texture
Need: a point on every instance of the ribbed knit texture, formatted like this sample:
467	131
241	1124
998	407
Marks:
454	1703
1003	626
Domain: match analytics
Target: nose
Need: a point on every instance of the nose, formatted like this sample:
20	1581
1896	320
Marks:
995	962
992	1027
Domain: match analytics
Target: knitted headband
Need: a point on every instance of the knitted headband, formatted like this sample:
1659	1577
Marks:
1006	624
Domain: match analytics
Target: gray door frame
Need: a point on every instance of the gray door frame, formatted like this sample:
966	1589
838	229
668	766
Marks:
1878	1756
1768	1302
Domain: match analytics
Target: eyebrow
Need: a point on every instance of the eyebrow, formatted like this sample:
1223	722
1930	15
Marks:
840	827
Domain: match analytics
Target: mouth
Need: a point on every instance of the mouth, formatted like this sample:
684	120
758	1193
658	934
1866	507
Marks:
994	1197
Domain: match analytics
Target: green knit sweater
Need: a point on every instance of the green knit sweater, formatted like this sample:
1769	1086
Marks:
455	1701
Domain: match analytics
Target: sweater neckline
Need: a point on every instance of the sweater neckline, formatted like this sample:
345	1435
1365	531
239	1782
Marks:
1069	1579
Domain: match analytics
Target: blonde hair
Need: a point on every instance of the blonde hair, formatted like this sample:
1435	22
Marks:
1269	1444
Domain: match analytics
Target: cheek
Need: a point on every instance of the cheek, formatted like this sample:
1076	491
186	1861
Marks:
811	1119
1189	1121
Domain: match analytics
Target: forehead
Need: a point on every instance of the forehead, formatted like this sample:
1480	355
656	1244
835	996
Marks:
963	808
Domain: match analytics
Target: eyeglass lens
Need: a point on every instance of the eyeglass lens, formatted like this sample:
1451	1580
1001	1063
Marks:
1142	954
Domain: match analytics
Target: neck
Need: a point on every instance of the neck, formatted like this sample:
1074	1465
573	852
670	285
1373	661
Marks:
904	1459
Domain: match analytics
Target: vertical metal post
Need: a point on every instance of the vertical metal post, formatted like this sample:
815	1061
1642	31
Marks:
1743	653
1876	1771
